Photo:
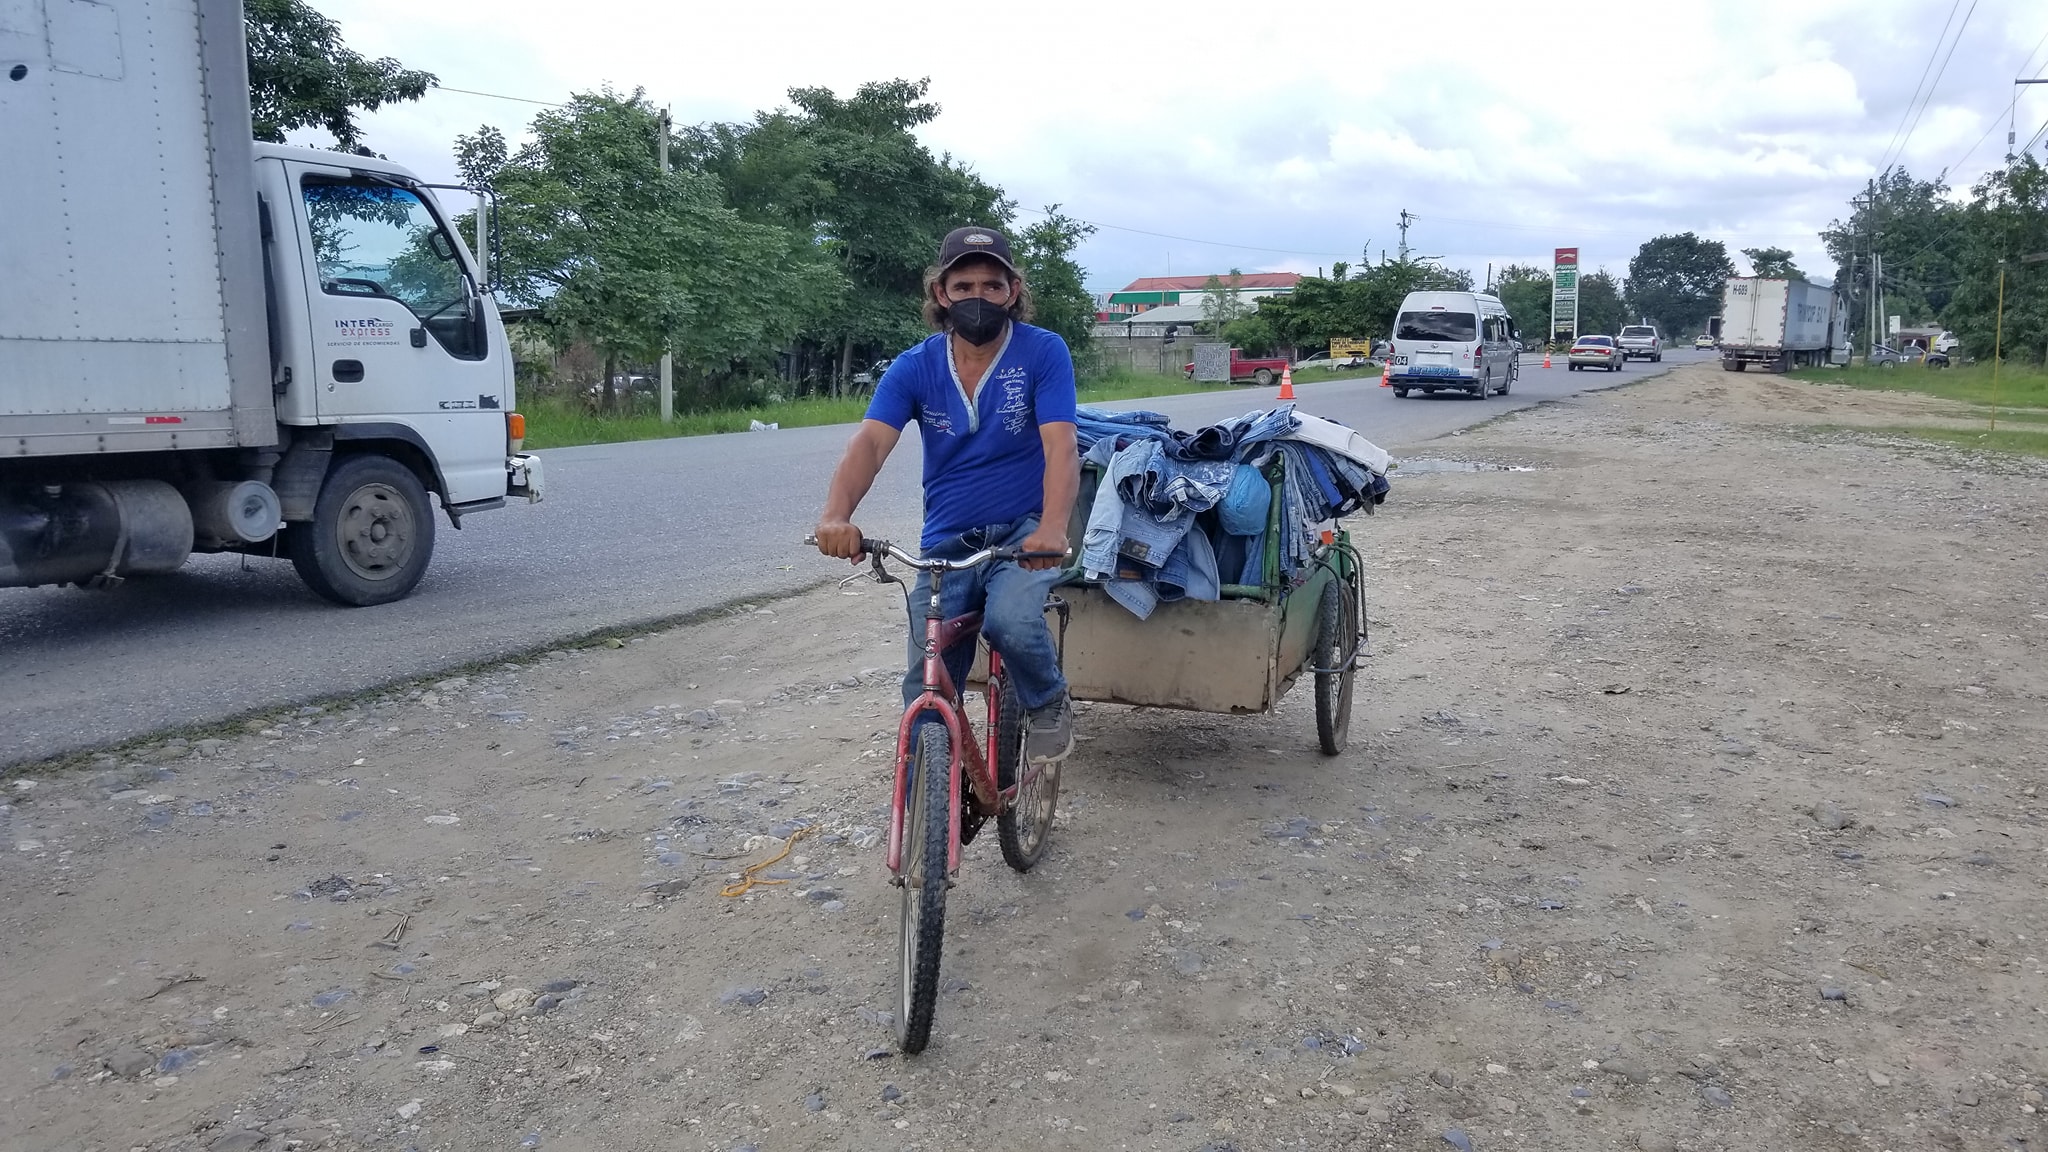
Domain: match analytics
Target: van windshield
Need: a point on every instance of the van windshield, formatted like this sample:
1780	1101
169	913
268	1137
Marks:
1437	326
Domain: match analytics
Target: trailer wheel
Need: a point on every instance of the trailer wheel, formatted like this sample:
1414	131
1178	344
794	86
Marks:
371	535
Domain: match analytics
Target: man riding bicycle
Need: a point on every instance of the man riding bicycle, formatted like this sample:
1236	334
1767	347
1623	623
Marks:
993	398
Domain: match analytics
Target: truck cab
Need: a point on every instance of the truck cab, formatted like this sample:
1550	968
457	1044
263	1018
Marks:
383	333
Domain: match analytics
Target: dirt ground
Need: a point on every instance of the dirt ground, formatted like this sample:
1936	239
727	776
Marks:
1692	803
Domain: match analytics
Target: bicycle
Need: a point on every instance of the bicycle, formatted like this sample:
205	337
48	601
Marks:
1000	782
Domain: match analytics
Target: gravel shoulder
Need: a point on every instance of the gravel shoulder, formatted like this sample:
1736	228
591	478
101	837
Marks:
1692	803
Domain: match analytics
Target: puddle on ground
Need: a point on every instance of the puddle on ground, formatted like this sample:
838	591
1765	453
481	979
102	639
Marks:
1425	464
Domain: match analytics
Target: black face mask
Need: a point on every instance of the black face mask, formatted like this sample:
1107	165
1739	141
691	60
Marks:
976	320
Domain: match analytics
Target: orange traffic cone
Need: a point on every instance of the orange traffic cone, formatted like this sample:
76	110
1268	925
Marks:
1386	375
1287	383
1546	357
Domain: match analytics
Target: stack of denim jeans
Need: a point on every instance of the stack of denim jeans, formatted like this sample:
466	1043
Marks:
1157	525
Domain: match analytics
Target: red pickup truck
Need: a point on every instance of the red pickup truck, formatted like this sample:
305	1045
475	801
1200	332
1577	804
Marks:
1260	372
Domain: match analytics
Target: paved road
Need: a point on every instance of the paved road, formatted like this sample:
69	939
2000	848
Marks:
630	533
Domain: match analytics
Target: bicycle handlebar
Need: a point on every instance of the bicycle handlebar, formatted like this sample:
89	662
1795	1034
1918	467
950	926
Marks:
881	548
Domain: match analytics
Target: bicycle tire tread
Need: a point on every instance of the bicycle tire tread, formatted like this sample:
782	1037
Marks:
934	780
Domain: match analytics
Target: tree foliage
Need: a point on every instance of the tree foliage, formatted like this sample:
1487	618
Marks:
1675	280
634	260
851	175
1223	302
1601	308
1525	291
1775	263
1913	226
1060	297
301	75
2006	219
1359	304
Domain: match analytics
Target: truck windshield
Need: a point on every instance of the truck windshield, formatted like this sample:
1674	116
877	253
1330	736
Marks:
373	240
1637	332
1437	326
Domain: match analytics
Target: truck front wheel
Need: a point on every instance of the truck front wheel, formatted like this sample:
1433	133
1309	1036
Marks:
371	535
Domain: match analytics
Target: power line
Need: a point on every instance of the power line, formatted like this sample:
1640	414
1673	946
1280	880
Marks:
1907	112
1939	73
499	96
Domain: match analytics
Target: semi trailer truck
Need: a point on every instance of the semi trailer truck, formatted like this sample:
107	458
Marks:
213	345
1781	323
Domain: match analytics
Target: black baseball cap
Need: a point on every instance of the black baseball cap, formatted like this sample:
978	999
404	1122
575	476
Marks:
975	240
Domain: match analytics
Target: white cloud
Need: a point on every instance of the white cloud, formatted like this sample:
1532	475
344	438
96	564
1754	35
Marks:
1299	130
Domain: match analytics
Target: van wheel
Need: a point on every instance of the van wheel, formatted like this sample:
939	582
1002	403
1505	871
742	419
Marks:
1507	384
371	535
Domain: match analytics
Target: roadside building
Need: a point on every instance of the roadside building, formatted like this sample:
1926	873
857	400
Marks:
1149	292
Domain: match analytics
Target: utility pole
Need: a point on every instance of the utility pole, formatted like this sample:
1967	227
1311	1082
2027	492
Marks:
668	359
1407	218
2012	138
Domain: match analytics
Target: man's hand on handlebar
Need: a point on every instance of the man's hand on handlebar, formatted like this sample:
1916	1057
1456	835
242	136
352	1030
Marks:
1041	540
839	539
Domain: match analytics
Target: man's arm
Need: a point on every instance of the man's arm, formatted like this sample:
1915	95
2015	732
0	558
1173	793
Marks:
865	453
1062	485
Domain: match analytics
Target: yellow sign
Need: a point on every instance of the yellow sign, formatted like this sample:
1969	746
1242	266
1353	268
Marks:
1341	347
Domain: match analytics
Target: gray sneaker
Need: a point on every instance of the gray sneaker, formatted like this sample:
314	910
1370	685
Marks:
1049	732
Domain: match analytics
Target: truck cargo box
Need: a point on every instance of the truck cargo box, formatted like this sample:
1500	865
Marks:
132	315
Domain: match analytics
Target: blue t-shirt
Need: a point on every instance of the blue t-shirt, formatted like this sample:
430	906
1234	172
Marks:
983	461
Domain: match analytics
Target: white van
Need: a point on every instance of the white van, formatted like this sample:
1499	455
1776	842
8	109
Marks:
1454	342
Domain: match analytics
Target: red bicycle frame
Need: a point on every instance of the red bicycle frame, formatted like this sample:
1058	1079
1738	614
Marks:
942	697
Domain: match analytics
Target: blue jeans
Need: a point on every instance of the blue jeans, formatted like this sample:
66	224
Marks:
1012	602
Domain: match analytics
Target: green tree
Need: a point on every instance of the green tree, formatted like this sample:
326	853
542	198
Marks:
1775	263
1223	302
301	75
479	157
1915	227
1059	292
635	260
1674	280
1254	333
1601	310
2007	218
1361	305
1525	291
853	174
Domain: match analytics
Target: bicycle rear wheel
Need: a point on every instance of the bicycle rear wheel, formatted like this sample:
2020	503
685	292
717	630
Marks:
1336	638
1025	823
922	929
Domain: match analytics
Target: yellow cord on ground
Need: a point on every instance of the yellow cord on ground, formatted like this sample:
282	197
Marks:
748	878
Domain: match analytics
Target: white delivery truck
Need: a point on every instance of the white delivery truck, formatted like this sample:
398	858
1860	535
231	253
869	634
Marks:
210	345
1781	324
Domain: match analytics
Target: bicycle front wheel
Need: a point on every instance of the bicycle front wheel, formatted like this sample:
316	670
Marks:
922	930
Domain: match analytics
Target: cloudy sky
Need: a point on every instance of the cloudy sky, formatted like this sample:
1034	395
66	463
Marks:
1205	136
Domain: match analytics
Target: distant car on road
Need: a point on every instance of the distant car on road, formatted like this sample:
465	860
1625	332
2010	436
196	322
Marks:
1703	342
1640	341
1324	360
864	380
1596	352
